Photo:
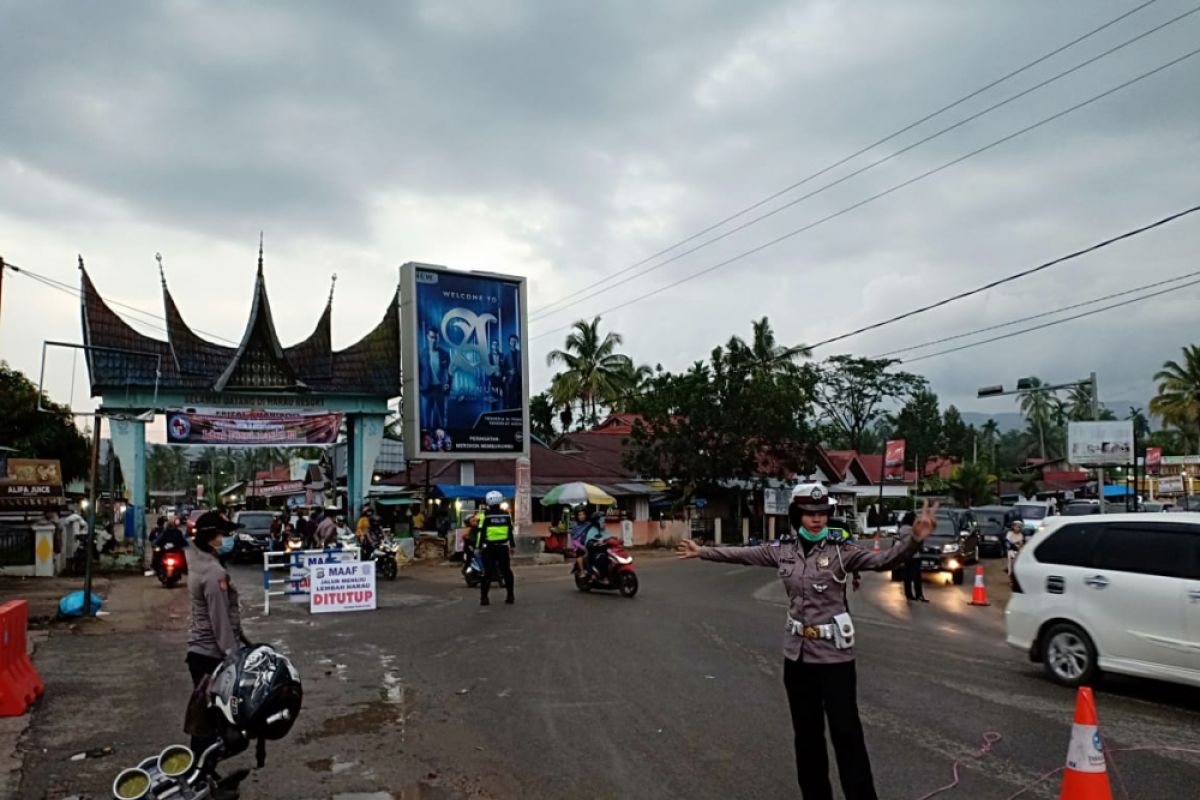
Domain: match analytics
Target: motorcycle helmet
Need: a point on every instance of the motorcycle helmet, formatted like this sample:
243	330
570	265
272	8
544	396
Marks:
256	691
493	498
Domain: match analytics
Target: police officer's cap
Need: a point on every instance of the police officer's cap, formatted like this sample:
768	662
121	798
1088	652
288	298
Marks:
211	523
811	497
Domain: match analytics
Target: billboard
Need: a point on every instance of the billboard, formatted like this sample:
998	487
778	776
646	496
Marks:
1100	444
893	460
31	483
251	427
1153	460
466	368
1171	484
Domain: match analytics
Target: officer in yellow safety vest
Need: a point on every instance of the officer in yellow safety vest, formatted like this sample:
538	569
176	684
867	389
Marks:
495	535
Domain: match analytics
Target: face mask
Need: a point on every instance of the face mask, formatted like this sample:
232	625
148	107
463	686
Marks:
226	545
813	537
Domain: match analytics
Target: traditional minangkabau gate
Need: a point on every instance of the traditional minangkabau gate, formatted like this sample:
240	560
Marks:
137	376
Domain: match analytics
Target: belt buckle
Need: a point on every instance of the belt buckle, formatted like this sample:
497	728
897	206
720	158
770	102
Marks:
811	632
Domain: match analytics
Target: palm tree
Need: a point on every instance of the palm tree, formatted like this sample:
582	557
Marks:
595	374
764	352
1078	404
1178	400
1038	407
971	485
990	431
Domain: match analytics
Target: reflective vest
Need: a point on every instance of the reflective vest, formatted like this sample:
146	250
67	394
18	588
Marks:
497	528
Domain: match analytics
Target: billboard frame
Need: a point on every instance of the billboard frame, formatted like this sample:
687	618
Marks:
410	375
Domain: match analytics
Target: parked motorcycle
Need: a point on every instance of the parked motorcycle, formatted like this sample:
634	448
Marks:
612	569
170	565
385	559
254	695
473	569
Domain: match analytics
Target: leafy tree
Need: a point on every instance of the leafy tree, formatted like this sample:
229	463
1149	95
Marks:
732	418
167	468
1177	402
971	485
959	438
40	434
919	423
595	375
1029	485
1012	448
1038	406
851	392
541	416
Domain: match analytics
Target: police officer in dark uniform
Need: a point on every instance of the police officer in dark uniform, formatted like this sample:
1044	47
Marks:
495	535
818	666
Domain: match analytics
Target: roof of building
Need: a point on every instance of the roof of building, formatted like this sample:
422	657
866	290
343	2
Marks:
119	356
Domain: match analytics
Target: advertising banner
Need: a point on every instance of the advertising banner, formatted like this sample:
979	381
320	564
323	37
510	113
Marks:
251	427
343	587
1098	444
1172	484
275	490
465	364
893	460
31	483
1153	460
776	501
35	470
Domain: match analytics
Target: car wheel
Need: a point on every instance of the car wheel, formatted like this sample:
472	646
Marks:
1068	655
956	577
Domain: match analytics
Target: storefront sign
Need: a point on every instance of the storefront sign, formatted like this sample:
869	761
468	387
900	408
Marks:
14	495
893	460
35	470
1178	461
251	427
1170	485
1153	460
776	502
343	587
276	490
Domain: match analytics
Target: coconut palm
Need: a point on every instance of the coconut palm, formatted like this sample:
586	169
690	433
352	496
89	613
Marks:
1078	404
1038	406
991	432
1178	400
595	374
971	485
764	352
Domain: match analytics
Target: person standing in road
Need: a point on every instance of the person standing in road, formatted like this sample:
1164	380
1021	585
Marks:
326	532
1013	541
818	666
216	628
495	535
914	585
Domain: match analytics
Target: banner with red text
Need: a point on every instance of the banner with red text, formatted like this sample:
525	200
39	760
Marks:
893	460
252	427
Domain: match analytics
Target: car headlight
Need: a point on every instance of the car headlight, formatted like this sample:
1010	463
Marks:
245	537
950	548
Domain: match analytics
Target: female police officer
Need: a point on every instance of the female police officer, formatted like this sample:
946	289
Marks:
216	619
818	666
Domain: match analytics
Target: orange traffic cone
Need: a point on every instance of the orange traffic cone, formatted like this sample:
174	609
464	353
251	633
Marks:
1085	776
876	549
979	595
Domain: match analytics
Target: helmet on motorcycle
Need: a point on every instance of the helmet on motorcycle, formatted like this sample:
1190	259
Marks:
493	498
256	691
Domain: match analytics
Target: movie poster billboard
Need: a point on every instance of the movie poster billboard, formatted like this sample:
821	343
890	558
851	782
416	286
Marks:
252	427
465	364
893	460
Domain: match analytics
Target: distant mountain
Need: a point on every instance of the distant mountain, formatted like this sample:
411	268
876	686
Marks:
1008	420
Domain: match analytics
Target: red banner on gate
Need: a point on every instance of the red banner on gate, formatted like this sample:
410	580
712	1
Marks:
893	460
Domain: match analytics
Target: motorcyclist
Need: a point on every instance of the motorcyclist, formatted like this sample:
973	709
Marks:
578	537
593	542
171	538
495	535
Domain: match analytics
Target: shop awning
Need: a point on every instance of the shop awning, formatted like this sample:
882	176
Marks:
397	501
455	491
1117	490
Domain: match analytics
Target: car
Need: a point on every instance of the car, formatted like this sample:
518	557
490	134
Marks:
1032	513
1080	509
953	544
993	526
1114	593
254	537
191	520
1153	506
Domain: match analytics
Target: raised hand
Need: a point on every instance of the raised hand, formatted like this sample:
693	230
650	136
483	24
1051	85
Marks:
925	522
687	548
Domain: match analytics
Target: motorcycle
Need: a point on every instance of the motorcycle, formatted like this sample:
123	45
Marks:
385	559
170	565
294	544
612	569
254	694
473	569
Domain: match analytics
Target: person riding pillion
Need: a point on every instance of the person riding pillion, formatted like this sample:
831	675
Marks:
494	535
818	667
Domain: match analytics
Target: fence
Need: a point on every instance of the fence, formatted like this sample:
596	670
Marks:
297	563
17	546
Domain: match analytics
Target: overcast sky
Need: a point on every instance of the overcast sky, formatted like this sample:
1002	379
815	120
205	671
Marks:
565	141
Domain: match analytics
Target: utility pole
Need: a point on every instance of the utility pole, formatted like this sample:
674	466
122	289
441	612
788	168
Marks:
2	268
93	499
1096	417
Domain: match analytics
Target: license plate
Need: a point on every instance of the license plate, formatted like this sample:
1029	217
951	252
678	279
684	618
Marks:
929	564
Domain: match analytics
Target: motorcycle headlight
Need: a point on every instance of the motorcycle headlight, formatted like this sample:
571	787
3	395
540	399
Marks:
950	548
131	784
176	760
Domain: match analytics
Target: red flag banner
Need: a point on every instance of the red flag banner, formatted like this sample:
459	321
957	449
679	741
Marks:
893	460
1153	460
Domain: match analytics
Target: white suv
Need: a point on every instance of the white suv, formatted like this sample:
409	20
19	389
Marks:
1114	592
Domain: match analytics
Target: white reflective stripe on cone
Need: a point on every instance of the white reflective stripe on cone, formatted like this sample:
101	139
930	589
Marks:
1085	753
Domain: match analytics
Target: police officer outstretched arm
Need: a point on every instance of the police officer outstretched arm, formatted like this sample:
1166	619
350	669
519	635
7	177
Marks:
495	535
818	639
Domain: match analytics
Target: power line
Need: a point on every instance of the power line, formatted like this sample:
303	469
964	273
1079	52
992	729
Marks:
1045	325
1032	317
937	134
1010	278
545	310
886	192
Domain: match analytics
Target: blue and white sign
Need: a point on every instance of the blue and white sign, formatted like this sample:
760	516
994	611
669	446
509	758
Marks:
348	586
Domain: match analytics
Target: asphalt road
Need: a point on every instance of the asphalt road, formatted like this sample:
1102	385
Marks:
674	694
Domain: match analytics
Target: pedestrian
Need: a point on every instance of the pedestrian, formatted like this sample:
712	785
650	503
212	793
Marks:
914	586
326	530
495	535
818	666
1013	541
216	629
